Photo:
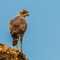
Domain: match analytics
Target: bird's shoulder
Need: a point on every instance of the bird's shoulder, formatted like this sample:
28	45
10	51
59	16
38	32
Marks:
15	19
18	21
18	18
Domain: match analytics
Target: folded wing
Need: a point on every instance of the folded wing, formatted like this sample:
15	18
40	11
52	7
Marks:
17	26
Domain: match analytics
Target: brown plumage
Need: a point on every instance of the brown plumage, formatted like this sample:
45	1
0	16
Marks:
18	26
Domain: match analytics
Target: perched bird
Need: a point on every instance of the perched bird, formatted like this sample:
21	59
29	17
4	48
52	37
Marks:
17	27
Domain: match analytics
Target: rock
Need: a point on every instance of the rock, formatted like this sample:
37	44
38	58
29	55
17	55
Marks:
7	53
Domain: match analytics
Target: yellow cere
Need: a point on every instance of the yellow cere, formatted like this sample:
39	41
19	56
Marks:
26	14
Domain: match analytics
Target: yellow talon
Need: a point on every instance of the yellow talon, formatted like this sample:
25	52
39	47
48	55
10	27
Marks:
16	49
21	52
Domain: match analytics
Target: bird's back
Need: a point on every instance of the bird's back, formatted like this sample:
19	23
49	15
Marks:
17	25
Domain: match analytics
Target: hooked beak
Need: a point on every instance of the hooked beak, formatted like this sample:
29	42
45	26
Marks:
28	15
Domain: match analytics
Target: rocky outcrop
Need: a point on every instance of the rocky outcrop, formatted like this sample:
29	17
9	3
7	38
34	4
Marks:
7	53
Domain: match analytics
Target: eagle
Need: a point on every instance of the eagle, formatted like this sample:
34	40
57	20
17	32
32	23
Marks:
17	27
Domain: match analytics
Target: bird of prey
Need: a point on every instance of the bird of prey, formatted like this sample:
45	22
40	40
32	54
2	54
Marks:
17	27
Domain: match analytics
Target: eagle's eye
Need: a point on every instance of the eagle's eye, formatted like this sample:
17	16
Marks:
23	12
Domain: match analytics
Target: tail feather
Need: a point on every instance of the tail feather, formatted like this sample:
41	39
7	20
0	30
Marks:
15	41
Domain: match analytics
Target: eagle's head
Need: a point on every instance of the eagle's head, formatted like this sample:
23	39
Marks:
23	13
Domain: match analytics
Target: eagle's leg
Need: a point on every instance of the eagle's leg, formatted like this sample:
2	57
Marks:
21	39
21	46
16	47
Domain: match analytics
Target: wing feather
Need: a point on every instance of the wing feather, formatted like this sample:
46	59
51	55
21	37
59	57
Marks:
17	25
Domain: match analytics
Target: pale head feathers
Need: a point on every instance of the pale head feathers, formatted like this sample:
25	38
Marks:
23	13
